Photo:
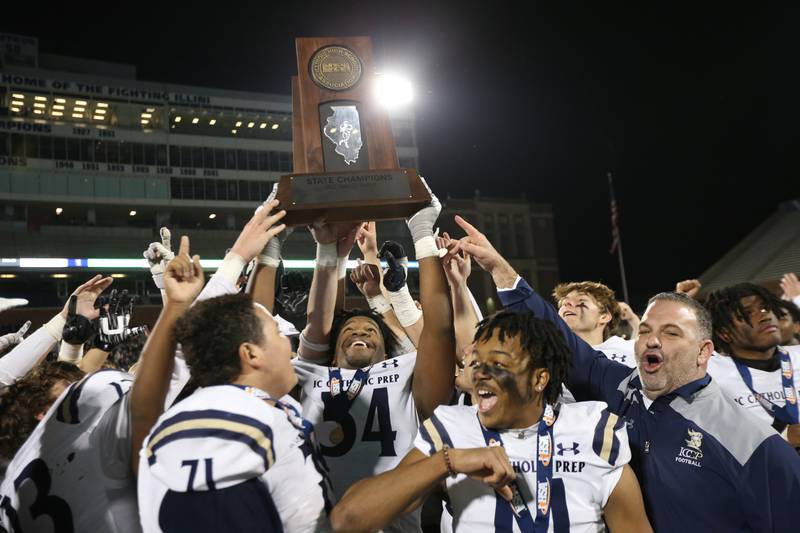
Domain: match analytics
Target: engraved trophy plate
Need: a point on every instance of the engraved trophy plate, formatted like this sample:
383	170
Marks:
351	187
335	68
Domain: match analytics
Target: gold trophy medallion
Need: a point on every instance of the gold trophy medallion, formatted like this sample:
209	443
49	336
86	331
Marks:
335	68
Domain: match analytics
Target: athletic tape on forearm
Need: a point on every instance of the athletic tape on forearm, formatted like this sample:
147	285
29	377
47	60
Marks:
341	267
379	304
317	347
327	255
71	353
158	276
55	327
426	247
404	307
271	254
231	267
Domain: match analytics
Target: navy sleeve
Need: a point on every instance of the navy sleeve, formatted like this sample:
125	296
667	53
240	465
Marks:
770	486
592	376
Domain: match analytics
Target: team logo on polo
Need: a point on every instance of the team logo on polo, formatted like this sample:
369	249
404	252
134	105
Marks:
563	450
344	130
692	452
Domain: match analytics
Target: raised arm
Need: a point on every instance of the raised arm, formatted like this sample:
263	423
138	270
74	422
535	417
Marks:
334	242
183	280
31	351
434	376
592	376
395	288
466	314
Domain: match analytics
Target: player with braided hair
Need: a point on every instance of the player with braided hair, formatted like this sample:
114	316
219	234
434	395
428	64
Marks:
753	370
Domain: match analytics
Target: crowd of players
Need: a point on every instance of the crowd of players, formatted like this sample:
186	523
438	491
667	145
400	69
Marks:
570	414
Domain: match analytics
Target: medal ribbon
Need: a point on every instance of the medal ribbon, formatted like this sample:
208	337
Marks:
544	473
787	414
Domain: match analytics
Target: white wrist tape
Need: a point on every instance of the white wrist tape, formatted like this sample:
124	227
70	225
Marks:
426	247
341	267
55	327
70	353
269	261
326	255
404	307
157	272
231	267
379	304
317	347
271	254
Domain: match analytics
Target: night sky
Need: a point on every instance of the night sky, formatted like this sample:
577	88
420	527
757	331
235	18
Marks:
691	107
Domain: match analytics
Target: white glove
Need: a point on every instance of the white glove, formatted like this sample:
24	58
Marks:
9	340
158	254
10	303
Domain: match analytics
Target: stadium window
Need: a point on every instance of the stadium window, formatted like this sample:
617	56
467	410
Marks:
17	145
266	188
87	150
161	155
138	154
32	146
285	162
112	151
150	154
187	188
255	192
222	189
175	188
219	158
208	157
74	149
125	153
59	147
263	160
99	152
252	160
230	159
211	189
241	159
186	156
46	147
197	157
233	190
244	191
4	141
198	189
174	156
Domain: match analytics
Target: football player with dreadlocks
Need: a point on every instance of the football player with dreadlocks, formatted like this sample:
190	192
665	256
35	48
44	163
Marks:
755	371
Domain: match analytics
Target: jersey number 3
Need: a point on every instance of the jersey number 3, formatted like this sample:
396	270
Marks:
44	504
378	409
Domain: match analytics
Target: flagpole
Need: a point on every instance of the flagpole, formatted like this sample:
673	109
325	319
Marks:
618	240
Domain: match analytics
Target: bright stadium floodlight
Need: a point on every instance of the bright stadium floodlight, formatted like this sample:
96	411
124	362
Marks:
392	90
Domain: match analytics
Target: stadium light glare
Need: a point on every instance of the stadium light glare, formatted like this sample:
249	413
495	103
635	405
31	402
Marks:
20	96
80	102
132	213
239	124
8	276
39	105
251	124
16	109
38	111
178	118
275	126
100	111
212	216
17	102
61	101
59	276
392	90
98	117
40	98
102	104
58	107
59	210
57	114
263	125
195	120
212	122
79	109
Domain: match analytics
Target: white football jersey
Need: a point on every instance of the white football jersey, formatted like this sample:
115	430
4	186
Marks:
224	459
615	348
589	452
74	471
377	431
769	384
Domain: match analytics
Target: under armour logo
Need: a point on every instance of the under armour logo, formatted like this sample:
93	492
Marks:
618	357
392	362
562	450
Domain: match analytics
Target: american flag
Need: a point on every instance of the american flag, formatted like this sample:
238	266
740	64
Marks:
614	217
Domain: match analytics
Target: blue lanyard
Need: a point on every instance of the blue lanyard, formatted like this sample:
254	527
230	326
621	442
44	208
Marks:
544	473
353	390
788	414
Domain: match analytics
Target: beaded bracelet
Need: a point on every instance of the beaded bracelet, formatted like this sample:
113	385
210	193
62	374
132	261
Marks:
450	471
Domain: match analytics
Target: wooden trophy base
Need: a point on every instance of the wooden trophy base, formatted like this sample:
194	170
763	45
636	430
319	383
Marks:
351	196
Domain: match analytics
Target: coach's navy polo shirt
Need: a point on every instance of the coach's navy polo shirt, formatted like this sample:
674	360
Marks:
703	464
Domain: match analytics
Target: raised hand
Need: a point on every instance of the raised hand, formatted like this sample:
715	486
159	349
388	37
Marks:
9	340
183	279
367	240
367	277
791	286
10	303
458	265
343	234
689	287
258	231
85	296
